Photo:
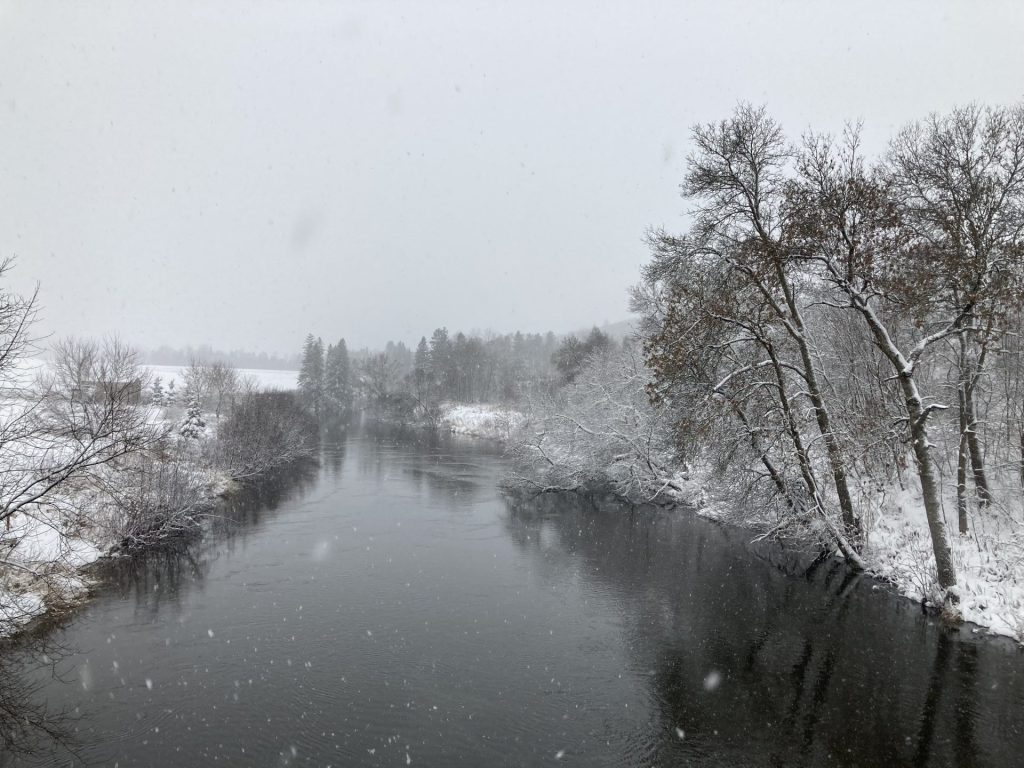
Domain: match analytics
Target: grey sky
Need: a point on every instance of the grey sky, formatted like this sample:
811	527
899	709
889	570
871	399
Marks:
242	173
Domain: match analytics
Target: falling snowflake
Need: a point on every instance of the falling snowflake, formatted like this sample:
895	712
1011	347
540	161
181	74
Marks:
713	680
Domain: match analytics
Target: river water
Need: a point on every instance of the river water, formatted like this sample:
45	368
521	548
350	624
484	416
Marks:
393	608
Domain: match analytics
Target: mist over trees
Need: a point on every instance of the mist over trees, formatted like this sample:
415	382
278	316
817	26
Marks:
236	358
408	385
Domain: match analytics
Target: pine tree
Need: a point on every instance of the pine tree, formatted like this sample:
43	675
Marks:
311	375
441	367
337	379
157	392
193	427
171	395
421	361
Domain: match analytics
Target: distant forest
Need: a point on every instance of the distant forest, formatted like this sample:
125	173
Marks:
410	384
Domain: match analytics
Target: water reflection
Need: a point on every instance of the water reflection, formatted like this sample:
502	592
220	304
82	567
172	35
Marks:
154	582
393	603
27	723
156	579
750	666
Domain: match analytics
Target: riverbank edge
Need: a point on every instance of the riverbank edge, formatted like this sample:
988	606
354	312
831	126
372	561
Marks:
56	589
484	421
691	494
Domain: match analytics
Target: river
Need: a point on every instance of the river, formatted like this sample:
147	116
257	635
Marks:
393	608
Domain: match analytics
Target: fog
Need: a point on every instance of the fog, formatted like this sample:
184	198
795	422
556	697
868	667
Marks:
240	174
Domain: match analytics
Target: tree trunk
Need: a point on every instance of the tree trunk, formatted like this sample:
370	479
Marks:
806	471
961	466
970	375
758	446
930	489
837	463
981	486
919	435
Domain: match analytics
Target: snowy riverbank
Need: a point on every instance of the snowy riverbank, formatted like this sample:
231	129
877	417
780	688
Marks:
48	549
569	453
493	422
989	559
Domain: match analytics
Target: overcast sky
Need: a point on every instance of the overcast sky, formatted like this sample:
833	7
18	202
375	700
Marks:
240	174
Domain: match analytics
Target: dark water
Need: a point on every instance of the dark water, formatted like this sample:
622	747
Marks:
393	609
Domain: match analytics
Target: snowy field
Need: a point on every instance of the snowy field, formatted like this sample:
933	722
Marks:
265	379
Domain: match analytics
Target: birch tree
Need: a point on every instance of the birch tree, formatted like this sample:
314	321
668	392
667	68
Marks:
912	240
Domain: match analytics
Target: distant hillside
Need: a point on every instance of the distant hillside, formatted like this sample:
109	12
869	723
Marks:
618	331
239	358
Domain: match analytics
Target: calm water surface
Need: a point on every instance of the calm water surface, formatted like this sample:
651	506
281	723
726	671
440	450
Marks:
392	608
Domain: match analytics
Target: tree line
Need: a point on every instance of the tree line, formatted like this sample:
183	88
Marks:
409	385
841	317
236	358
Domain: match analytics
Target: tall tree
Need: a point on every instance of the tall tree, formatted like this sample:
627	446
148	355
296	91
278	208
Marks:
338	379
311	375
891	243
737	179
442	364
959	178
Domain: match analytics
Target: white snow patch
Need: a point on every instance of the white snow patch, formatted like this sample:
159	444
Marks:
989	559
489	421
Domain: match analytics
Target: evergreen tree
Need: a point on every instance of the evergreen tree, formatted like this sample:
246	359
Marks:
157	392
421	360
421	378
338	379
193	427
311	375
441	362
171	395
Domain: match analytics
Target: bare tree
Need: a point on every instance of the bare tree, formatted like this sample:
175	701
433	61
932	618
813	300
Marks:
737	178
224	386
891	245
717	346
264	431
959	178
604	432
82	414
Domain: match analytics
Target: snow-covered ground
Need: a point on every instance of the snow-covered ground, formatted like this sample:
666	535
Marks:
45	562
989	559
490	421
46	550
265	379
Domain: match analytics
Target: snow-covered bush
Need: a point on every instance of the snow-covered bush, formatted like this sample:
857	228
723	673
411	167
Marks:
157	497
600	433
264	431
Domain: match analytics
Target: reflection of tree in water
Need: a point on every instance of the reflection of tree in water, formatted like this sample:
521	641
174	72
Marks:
27	724
156	577
759	666
435	461
332	455
152	579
